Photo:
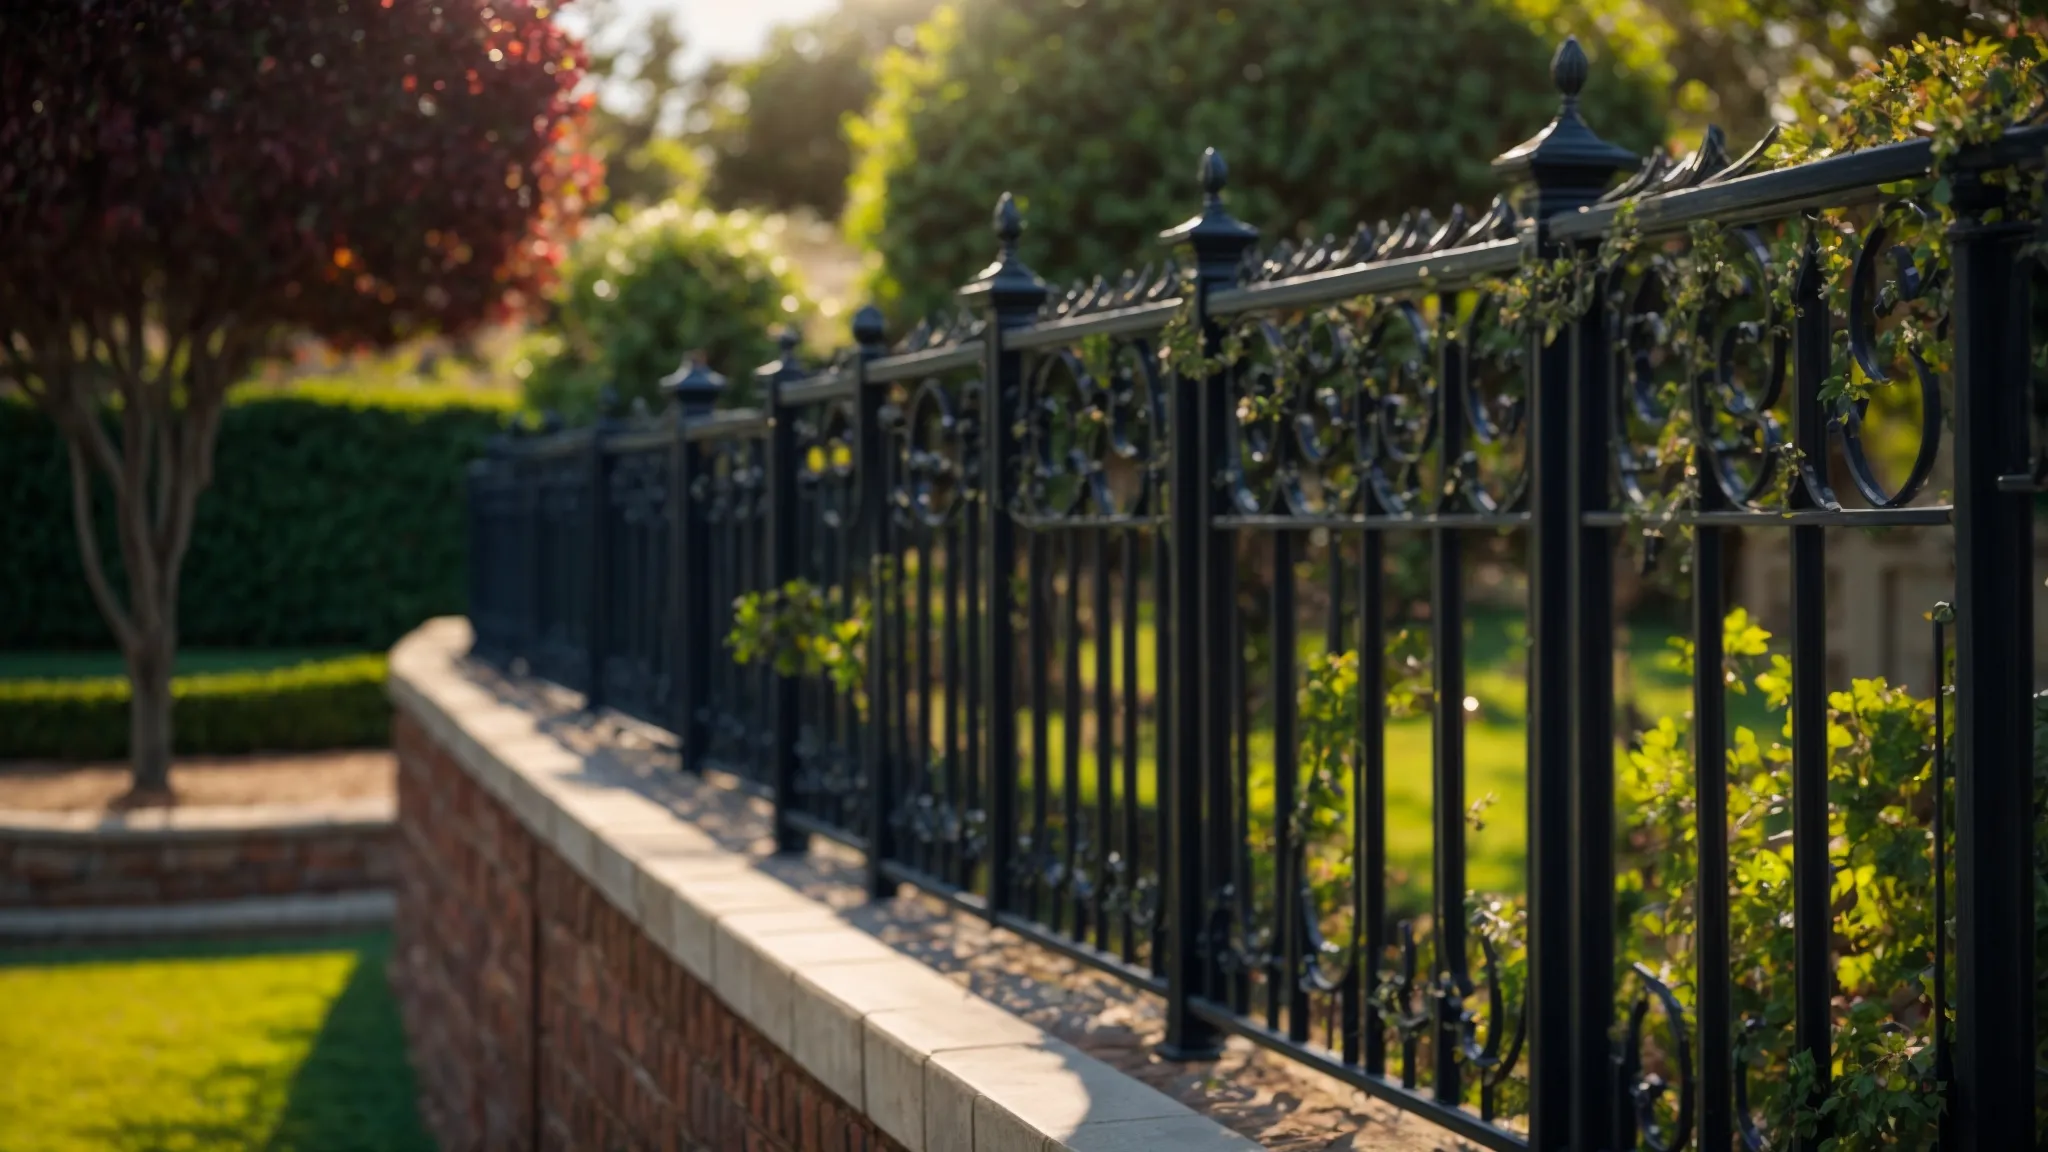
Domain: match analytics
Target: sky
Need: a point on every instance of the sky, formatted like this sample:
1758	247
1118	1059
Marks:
726	28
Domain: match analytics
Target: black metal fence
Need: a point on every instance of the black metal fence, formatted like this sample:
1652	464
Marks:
1204	609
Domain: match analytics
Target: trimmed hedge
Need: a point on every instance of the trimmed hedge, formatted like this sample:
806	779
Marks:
335	519
315	706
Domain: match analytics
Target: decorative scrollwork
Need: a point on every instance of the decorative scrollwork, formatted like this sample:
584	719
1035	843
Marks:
1094	424
1400	388
1645	1091
1400	998
733	486
937	458
826	464
639	486
1495	1057
1871	302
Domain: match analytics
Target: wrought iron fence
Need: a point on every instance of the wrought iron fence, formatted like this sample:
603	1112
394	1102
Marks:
1145	682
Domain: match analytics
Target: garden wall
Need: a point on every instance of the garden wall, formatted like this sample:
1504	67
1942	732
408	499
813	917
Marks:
182	856
580	968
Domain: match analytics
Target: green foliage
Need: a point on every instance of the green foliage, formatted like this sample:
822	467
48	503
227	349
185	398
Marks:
313	706
229	1046
1880	804
1329	111
800	631
641	292
335	519
633	64
773	125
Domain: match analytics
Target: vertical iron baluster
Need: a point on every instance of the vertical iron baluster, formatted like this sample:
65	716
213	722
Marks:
1037	641
598	541
1562	169
1105	735
871	478
1369	785
1944	614
692	390
784	516
953	871
1234	811
928	846
1128	842
974	717
1166	618
1447	619
1010	295
1341	1034
1202	583
1281	983
1993	1101
1813	977
1070	731
1715	1011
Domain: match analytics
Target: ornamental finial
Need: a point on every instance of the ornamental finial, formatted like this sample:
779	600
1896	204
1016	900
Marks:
1009	223
1568	69
1215	175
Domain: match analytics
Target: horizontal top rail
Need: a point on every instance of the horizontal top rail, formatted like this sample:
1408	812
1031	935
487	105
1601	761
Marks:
652	437
735	424
1450	268
1119	322
889	369
831	384
1829	183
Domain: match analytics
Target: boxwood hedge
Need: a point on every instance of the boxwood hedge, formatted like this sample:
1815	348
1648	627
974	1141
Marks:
314	706
335	520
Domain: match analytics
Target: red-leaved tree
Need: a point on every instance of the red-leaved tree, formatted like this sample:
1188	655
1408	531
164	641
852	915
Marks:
185	182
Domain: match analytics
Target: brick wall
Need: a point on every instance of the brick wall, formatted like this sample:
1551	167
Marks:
535	1009
45	868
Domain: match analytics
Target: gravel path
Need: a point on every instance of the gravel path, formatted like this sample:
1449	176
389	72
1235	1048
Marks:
1257	1093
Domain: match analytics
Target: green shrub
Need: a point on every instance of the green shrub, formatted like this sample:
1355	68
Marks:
642	292
1330	112
335	520
313	706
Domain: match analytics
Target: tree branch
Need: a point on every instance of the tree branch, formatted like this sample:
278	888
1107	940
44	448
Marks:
89	549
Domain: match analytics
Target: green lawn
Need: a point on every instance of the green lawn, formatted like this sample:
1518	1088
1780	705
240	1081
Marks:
88	665
287	1047
1496	746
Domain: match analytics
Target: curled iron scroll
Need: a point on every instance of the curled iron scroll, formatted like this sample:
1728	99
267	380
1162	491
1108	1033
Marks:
1645	1092
1870	302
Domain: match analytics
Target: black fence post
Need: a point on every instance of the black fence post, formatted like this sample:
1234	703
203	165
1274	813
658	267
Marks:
597	598
783	509
871	474
1010	294
1992	1105
1202	584
1571	692
692	390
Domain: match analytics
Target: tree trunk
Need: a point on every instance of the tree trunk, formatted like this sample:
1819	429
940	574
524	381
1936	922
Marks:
149	717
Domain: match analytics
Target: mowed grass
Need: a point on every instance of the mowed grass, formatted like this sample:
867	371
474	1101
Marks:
289	1047
93	665
1495	730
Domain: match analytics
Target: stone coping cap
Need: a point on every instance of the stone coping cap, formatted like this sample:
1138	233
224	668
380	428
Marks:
237	822
934	1066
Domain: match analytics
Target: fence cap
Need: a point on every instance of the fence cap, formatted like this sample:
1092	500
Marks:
1567	165
1218	238
693	386
1011	288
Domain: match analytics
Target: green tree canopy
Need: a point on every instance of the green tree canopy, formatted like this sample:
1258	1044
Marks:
1329	111
640	293
771	127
